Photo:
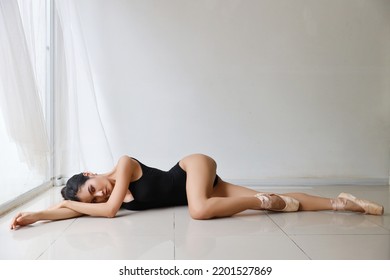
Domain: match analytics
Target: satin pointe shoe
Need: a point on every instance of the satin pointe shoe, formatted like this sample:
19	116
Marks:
292	204
369	207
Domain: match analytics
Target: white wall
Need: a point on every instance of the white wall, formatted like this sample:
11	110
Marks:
275	91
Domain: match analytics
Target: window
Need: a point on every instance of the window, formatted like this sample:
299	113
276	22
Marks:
24	144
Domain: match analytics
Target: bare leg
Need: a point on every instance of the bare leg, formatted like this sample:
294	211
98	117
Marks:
205	201
310	202
307	202
225	189
318	203
225	199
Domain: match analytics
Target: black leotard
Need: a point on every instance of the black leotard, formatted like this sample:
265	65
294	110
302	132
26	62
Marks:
157	188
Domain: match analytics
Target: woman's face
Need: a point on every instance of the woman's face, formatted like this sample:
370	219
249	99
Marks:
97	189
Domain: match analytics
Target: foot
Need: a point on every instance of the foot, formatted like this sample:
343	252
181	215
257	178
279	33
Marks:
276	202
342	204
347	202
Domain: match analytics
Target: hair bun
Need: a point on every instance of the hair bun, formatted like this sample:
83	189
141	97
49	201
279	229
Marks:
72	186
63	192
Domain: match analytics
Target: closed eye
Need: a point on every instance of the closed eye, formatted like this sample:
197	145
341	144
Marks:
91	189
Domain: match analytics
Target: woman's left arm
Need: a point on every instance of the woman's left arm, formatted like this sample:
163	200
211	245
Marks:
123	172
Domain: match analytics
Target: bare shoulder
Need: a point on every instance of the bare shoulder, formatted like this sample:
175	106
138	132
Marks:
128	165
126	161
124	158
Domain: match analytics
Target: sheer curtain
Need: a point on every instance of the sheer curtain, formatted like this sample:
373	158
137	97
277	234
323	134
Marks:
24	142
80	139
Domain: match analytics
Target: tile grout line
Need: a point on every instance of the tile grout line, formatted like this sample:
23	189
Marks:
55	240
289	237
380	225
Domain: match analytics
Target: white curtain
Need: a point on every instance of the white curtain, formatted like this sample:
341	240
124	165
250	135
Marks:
81	142
24	148
22	79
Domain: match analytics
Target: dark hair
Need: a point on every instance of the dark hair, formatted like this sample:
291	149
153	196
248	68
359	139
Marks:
73	185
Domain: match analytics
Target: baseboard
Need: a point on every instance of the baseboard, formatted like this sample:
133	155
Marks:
23	198
311	181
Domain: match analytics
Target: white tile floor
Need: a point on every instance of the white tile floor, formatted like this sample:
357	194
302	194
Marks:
171	234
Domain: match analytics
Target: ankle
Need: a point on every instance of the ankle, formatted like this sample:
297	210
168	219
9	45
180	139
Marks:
263	201
271	202
338	204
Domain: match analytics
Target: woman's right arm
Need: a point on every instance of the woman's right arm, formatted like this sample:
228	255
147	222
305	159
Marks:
27	218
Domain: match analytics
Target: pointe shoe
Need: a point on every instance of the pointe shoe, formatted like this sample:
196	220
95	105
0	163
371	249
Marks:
368	206
292	204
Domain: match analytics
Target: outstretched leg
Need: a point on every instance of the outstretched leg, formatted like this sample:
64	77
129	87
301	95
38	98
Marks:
344	202
225	199
311	203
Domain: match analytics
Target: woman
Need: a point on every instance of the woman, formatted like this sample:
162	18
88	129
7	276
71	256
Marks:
192	181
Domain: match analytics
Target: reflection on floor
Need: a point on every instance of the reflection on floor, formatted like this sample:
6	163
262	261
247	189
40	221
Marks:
171	234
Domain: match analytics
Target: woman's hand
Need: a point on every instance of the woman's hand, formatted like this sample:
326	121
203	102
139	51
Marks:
24	219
